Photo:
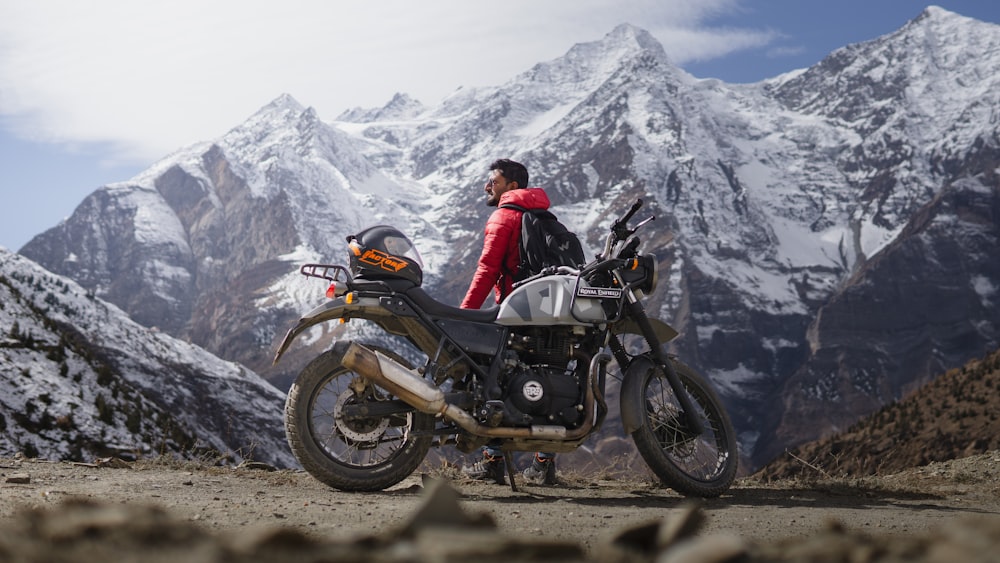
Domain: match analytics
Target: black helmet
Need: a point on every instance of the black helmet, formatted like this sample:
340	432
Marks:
382	252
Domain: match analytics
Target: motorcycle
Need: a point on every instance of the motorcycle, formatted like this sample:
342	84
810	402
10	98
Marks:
530	374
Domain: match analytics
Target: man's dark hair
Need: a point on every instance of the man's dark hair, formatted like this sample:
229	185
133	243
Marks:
511	171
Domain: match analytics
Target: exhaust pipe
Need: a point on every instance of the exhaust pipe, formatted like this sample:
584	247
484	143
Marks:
394	378
413	389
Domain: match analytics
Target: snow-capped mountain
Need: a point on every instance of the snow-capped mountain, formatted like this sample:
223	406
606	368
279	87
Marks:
80	380
827	237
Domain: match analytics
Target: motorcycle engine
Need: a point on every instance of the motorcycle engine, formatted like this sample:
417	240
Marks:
543	395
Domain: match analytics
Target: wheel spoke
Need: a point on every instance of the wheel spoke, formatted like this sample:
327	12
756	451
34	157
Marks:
354	442
702	457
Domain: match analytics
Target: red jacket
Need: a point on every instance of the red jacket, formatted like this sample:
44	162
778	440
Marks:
500	256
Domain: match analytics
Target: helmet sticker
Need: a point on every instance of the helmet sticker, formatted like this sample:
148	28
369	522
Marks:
382	260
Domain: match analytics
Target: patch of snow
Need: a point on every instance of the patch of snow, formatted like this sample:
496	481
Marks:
545	120
985	289
733	382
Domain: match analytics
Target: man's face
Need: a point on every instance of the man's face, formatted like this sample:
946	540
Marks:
496	186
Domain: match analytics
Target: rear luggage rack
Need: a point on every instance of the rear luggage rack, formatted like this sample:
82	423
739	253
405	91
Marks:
322	271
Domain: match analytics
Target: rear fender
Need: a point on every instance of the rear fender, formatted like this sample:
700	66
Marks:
338	308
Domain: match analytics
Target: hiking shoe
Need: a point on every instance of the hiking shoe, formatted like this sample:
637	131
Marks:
542	471
489	468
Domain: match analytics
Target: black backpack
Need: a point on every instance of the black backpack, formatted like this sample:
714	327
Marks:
545	242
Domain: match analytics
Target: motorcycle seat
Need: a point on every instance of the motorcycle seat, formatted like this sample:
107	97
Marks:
437	309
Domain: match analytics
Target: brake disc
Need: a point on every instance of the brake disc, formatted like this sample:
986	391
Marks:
358	429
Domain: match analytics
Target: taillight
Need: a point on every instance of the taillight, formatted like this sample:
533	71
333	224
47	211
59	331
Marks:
331	291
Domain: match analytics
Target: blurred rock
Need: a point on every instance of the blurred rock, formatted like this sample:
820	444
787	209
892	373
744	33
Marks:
441	529
18	478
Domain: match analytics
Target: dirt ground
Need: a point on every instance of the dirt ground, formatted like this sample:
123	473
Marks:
167	511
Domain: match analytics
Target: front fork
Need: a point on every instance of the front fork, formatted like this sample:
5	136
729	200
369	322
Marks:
638	313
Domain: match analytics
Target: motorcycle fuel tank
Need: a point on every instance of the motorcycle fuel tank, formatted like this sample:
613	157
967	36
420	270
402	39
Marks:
550	301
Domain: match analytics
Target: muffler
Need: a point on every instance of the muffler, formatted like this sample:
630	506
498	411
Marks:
395	378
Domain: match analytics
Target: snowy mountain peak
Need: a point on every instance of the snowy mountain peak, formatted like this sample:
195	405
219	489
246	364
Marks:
937	27
283	103
936	15
283	113
628	37
935	66
594	61
401	106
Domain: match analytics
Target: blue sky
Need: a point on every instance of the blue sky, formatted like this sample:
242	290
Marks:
95	92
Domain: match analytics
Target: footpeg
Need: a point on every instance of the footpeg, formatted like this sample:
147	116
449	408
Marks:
491	413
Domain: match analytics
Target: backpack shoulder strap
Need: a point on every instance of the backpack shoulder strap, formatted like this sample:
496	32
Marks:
517	274
541	213
515	207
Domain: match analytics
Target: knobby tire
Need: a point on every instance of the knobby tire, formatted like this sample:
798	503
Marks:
703	466
365	455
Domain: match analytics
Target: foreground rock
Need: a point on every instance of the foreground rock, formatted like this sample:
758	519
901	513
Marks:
153	512
84	530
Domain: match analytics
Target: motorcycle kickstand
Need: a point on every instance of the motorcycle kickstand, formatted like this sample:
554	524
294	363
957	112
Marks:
508	461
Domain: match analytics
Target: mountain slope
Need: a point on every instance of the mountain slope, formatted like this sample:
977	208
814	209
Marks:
924	300
193	245
953	416
825	237
81	380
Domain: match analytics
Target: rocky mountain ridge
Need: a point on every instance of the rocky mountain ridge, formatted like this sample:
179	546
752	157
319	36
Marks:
82	381
952	417
826	237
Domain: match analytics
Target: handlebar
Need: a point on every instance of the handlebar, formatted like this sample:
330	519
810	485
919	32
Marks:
620	230
624	219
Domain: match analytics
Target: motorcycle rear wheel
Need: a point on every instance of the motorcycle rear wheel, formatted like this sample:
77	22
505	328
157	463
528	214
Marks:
703	465
367	454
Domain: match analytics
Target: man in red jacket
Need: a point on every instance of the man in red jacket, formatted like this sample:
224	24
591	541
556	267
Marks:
498	263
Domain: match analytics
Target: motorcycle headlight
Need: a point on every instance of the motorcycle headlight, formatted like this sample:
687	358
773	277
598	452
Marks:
643	274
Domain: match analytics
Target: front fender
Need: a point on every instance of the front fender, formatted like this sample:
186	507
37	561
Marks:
632	400
664	332
338	308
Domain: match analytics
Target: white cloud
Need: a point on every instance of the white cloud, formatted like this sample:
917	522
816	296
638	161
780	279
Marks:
150	77
785	51
701	44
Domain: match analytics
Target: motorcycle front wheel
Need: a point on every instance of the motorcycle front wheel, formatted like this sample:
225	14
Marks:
351	453
696	465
